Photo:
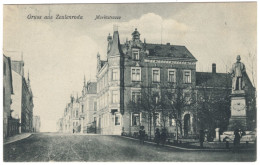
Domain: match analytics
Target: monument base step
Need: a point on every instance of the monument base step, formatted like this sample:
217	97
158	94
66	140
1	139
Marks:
237	122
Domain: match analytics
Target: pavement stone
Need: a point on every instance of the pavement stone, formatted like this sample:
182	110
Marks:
16	138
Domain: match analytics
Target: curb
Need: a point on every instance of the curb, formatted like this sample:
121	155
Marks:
188	149
15	140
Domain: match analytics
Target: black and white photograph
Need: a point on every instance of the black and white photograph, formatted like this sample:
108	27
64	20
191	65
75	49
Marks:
130	82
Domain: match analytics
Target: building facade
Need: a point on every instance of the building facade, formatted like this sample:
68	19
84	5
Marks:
59	125
8	125
36	123
131	70
79	114
27	106
71	118
23	98
88	106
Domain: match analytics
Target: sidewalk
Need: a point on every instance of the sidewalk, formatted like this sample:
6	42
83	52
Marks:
208	146
16	138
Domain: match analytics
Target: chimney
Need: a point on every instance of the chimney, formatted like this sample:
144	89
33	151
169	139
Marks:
214	68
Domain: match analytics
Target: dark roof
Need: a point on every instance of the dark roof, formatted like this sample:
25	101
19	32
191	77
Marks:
209	79
169	51
91	88
115	47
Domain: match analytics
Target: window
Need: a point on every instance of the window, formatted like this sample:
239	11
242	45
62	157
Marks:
172	122
156	97
95	106
136	74
82	108
187	76
135	53
157	119
114	74
136	96
172	75
115	97
136	120
4	68
156	75
117	119
77	113
187	97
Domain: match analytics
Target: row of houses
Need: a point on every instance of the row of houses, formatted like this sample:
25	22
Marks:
155	86
18	99
78	113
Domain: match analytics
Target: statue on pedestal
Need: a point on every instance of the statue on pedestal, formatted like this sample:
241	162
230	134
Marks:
237	73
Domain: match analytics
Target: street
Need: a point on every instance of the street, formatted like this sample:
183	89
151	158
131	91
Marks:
44	147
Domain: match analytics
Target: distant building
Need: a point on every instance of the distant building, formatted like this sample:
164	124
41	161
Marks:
59	125
88	106
71	119
36	123
78	115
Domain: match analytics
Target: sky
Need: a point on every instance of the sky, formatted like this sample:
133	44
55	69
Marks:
58	53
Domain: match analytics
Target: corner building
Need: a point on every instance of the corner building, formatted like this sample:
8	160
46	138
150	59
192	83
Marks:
131	69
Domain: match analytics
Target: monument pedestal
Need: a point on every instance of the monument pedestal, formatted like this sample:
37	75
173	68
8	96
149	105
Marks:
238	119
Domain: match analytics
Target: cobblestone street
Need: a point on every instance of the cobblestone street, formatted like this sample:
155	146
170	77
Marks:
69	147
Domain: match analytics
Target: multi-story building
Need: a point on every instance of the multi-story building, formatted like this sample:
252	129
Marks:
79	113
9	126
27	106
71	117
132	69
23	98
88	105
36	123
109	116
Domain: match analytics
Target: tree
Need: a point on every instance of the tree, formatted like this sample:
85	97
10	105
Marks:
213	108
251	90
178	98
147	104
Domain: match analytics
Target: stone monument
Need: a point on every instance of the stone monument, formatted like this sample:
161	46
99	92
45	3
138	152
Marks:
238	118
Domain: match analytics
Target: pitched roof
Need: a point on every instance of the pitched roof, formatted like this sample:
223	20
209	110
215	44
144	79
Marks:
209	79
173	52
115	47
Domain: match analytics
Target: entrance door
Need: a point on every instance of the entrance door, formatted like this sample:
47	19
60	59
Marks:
186	125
